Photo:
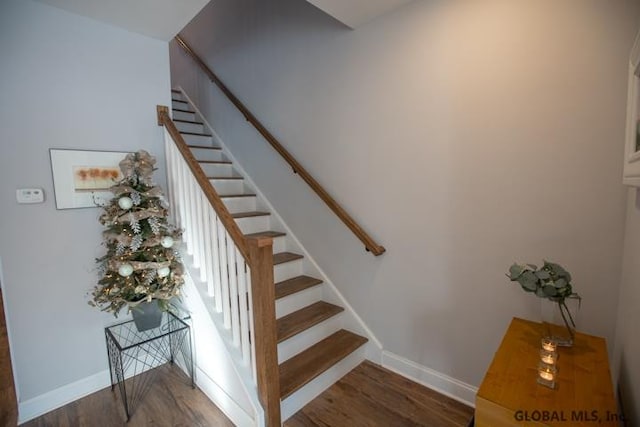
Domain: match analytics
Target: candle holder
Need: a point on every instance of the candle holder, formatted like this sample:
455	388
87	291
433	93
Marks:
547	375
549	344
548	357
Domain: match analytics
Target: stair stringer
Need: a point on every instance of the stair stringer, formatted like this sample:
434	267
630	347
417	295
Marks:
349	319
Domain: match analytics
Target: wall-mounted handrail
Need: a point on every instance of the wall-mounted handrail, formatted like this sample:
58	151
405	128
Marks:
369	243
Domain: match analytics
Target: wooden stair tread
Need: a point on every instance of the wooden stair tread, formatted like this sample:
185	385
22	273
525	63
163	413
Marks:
179	100
225	177
204	147
303	319
230	196
272	234
282	257
249	214
175	91
196	134
182	111
305	366
216	162
296	284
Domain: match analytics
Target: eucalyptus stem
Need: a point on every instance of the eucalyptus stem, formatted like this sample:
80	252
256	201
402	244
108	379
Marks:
561	305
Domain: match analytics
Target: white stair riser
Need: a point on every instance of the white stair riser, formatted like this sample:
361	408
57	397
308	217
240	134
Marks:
313	389
287	270
305	339
183	116
228	186
203	140
297	301
279	244
181	105
218	169
240	204
190	127
254	224
206	154
177	96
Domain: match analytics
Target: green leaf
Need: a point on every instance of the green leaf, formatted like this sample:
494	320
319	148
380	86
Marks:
543	275
532	266
515	271
550	290
540	293
528	281
560	283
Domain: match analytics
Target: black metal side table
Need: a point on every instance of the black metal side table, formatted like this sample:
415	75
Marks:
132	352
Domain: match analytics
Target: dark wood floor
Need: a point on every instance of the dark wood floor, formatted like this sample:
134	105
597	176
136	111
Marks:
372	396
169	402
8	401
368	396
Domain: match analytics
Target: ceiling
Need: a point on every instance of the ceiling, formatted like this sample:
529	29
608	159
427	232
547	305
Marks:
163	19
160	19
357	12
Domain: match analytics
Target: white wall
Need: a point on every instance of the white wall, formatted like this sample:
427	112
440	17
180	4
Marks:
66	82
627	352
462	135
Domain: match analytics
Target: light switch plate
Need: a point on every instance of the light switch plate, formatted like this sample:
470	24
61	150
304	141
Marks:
30	195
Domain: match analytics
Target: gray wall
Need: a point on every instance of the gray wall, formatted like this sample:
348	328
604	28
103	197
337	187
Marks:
67	82
627	352
463	135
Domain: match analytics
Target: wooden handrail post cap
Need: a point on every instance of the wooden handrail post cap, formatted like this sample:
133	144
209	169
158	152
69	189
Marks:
261	242
163	111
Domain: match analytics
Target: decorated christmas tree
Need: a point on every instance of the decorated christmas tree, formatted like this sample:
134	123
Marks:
141	264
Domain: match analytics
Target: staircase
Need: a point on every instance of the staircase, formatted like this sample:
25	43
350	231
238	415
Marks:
315	347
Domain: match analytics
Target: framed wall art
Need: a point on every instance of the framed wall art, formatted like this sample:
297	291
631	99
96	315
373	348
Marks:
81	178
632	140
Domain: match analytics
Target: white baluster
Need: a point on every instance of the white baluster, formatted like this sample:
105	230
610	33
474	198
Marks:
208	247
187	208
244	309
224	276
181	196
252	334
193	213
215	256
171	181
233	290
197	225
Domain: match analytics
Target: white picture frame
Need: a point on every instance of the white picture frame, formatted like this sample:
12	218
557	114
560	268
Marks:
631	174
81	178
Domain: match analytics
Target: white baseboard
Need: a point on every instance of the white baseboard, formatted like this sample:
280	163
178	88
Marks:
223	401
54	399
435	380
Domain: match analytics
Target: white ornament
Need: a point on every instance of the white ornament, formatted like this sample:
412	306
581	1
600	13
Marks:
125	270
163	272
167	241
125	203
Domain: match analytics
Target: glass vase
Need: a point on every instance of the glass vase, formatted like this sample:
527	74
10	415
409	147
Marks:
559	319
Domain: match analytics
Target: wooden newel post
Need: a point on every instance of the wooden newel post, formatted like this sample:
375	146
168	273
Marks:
265	331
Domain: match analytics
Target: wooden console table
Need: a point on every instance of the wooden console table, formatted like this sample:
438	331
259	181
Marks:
510	396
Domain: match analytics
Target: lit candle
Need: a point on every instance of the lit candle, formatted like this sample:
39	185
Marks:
548	376
548	357
548	344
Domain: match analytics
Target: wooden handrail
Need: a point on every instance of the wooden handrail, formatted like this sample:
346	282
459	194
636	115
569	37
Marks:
210	193
369	243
